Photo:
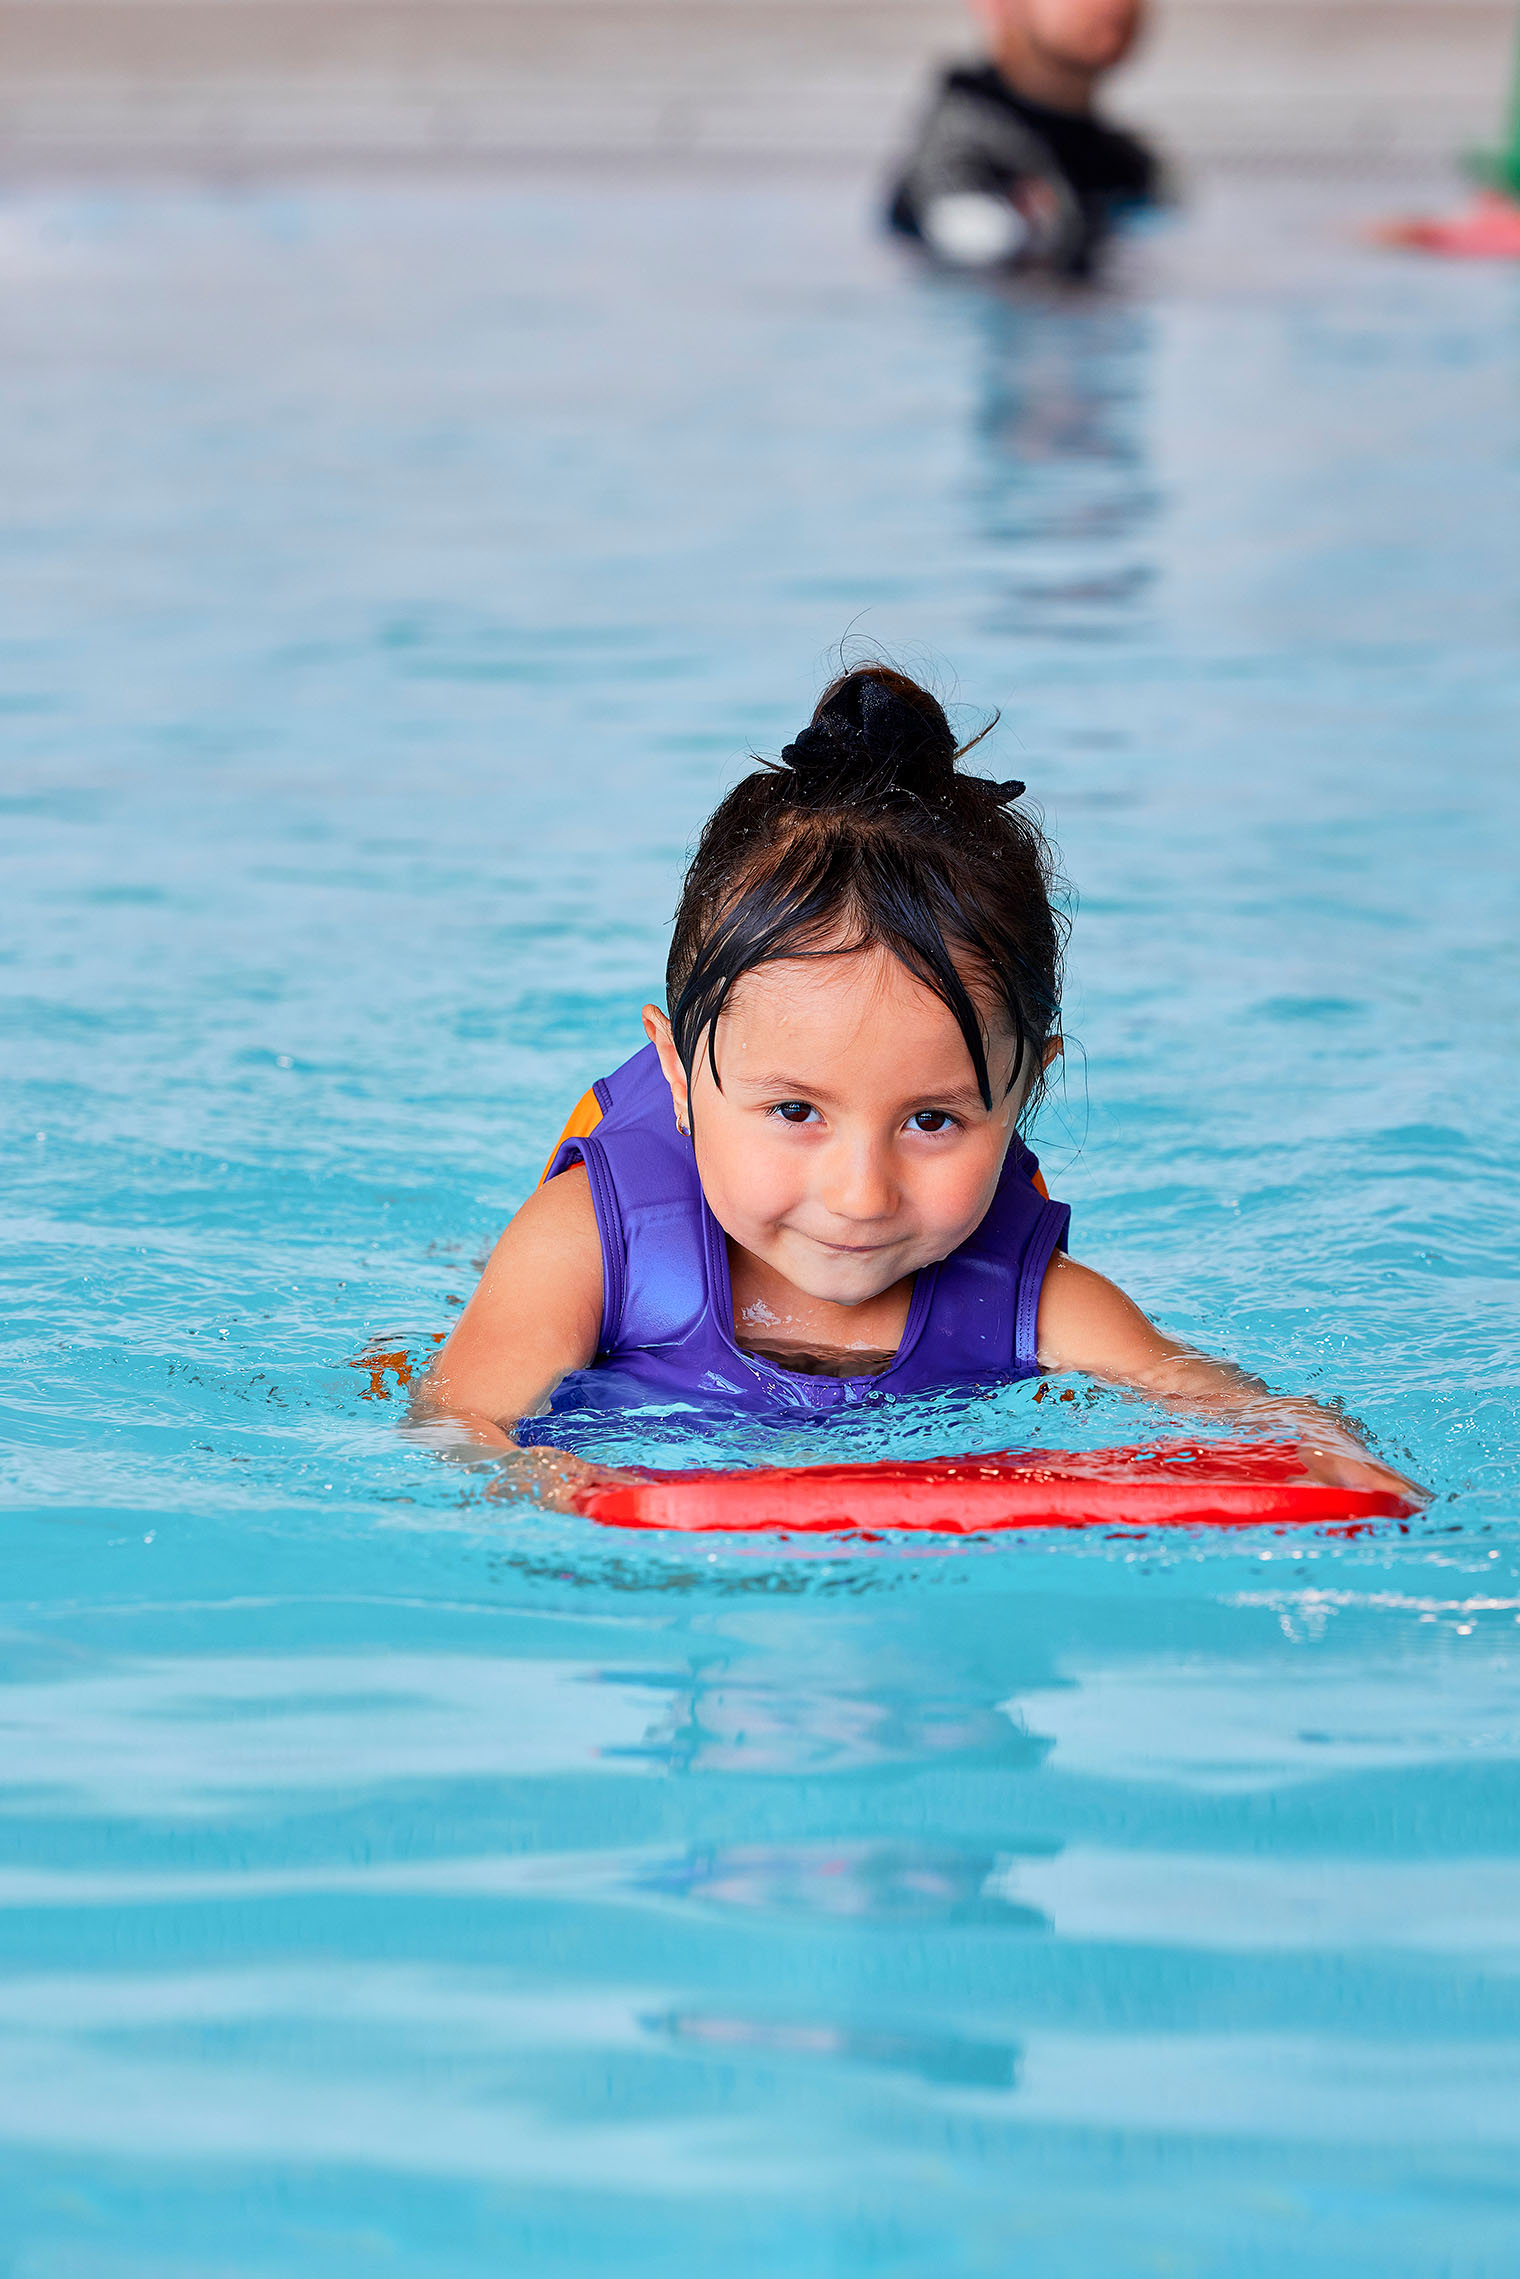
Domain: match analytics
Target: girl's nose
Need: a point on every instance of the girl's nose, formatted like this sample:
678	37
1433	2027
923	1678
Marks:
860	1184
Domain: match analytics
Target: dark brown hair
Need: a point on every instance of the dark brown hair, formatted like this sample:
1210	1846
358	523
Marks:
868	829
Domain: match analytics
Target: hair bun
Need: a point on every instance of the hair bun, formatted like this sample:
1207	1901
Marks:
874	732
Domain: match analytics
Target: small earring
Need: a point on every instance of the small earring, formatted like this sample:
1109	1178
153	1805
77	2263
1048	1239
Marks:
682	1127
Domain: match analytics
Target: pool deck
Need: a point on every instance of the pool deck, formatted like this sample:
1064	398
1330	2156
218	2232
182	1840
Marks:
234	85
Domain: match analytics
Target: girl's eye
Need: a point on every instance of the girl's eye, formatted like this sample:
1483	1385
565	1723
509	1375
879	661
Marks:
794	1111
931	1120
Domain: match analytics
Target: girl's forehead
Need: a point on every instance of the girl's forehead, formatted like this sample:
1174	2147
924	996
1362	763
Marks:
853	988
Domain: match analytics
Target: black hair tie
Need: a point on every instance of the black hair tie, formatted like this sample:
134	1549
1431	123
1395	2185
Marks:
866	746
819	746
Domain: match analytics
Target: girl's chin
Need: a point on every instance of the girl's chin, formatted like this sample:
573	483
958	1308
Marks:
840	1280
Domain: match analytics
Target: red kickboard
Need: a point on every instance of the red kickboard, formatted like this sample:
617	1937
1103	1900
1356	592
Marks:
1179	1484
1487	230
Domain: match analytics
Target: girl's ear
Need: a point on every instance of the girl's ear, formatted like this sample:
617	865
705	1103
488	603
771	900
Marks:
657	1030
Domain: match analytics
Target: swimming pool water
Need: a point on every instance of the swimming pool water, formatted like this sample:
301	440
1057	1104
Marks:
396	1880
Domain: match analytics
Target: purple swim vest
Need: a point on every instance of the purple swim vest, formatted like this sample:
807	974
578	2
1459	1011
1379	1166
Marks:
667	1306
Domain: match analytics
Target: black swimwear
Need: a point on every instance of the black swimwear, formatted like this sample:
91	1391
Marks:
1073	172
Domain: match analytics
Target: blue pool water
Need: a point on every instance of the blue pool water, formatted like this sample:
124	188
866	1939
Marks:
393	1880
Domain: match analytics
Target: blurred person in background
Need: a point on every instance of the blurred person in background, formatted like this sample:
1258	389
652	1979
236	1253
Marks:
1012	168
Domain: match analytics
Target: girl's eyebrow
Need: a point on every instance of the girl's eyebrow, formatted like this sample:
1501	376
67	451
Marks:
775	1080
787	1087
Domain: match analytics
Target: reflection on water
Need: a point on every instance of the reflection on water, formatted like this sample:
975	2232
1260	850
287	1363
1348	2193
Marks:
956	2060
729	1723
885	1883
1064	489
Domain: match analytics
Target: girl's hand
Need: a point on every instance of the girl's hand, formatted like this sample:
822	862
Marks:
1088	1324
551	1478
1346	1467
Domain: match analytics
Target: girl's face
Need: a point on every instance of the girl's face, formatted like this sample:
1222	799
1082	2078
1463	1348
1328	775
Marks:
848	1145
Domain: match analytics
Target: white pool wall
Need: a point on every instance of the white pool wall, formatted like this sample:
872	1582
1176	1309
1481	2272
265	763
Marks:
260	84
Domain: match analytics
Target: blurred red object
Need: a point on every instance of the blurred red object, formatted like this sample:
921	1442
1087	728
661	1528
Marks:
1180	1484
1487	230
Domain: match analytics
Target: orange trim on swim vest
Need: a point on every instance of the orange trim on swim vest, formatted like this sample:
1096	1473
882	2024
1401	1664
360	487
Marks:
584	1118
1037	1182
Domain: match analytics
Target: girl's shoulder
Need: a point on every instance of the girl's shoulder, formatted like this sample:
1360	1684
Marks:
630	1098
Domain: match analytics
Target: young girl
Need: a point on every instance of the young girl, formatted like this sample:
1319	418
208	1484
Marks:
810	1185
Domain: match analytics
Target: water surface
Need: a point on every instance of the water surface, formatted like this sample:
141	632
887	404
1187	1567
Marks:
392	1880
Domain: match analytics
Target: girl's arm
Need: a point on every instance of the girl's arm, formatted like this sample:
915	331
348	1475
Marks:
1087	1323
536	1315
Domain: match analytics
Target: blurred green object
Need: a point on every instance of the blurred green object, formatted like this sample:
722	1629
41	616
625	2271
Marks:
1500	169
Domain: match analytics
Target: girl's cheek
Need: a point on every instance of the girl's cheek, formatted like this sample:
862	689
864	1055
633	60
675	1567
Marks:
966	1187
754	1178
773	1177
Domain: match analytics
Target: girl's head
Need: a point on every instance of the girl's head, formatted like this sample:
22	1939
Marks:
864	992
